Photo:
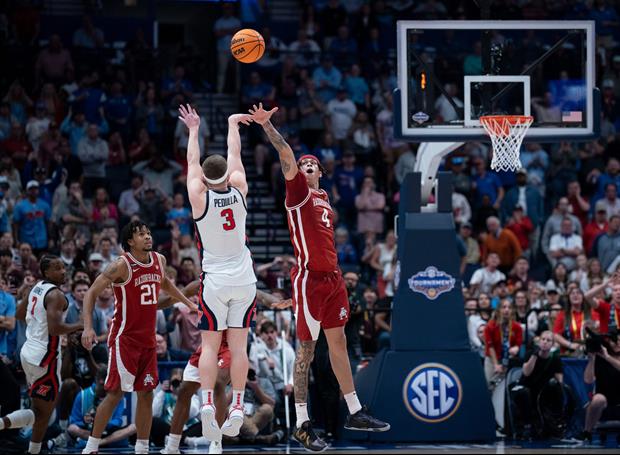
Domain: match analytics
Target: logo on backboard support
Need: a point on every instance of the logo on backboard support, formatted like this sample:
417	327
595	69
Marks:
432	392
431	282
420	117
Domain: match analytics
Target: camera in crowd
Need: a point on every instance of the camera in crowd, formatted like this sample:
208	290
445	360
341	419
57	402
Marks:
596	341
251	374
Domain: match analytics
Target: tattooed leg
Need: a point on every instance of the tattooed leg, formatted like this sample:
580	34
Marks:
305	354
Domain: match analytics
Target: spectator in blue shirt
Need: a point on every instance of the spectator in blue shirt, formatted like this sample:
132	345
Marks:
180	214
75	126
177	85
90	98
611	175
347	256
357	88
347	181
327	149
257	91
83	416
343	48
327	79
118	110
7	317
31	217
487	183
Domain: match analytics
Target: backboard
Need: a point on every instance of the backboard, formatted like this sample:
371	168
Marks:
452	72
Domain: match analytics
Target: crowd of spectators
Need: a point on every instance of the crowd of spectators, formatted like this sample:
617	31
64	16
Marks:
87	144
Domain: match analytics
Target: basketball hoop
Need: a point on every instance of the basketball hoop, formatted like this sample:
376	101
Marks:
507	133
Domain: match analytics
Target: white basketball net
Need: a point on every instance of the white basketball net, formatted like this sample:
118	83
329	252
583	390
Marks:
507	133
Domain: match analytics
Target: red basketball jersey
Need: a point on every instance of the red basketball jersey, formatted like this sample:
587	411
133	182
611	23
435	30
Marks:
135	302
311	225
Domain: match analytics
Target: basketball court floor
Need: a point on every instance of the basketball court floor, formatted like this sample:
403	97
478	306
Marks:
500	447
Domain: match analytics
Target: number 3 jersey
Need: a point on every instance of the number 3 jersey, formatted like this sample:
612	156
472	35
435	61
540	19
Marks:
220	233
135	302
311	225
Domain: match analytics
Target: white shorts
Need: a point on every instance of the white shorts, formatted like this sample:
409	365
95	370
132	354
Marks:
225	306
43	382
191	373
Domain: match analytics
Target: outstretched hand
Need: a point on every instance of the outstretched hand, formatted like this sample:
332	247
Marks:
282	305
260	115
189	117
235	119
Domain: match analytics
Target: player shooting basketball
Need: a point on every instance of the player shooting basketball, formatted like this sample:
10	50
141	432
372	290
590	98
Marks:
326	304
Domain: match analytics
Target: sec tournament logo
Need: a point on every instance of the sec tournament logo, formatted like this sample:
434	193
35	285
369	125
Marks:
431	282
432	392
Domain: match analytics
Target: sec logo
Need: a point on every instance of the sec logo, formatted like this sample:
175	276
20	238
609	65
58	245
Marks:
432	392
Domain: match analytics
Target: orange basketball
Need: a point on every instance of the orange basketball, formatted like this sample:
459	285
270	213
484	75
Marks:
247	45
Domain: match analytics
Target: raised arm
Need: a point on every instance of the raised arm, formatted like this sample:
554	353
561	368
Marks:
174	292
196	185
235	165
287	157
116	272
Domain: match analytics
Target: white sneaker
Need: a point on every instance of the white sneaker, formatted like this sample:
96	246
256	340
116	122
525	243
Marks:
216	447
233	423
210	428
167	450
194	442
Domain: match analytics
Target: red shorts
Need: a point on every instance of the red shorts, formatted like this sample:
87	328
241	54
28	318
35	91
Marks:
191	372
320	300
131	368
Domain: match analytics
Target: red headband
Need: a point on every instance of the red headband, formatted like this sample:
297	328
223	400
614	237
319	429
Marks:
306	157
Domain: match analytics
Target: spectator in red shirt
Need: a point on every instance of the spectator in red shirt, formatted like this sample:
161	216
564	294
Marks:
503	337
608	311
16	146
596	227
103	209
569	327
580	207
521	225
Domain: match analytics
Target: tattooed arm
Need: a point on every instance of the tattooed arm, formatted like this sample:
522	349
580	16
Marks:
287	157
305	354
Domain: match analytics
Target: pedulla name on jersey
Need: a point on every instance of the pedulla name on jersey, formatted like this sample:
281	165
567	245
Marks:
321	202
225	201
146	278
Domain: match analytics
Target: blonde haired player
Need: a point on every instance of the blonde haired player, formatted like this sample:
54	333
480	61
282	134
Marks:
217	192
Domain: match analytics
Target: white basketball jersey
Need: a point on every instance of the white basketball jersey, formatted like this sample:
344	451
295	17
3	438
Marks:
222	239
39	347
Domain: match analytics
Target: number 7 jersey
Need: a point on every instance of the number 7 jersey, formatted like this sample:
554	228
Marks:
221	237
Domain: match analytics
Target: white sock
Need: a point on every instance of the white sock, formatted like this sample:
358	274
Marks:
237	398
63	424
207	396
34	447
19	419
352	402
301	411
174	441
92	445
142	446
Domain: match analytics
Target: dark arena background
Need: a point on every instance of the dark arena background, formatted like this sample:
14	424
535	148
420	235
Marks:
483	280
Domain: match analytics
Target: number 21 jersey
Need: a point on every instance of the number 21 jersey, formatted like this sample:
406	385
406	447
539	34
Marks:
220	233
135	302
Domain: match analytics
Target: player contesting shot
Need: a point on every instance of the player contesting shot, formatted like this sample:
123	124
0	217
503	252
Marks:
136	277
320	297
217	192
41	354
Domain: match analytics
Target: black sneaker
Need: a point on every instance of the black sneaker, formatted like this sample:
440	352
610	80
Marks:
306	436
363	421
584	437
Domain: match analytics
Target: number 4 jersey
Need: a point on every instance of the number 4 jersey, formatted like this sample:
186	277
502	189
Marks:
311	225
221	237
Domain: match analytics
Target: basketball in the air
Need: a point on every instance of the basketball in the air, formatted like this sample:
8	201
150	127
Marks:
247	45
